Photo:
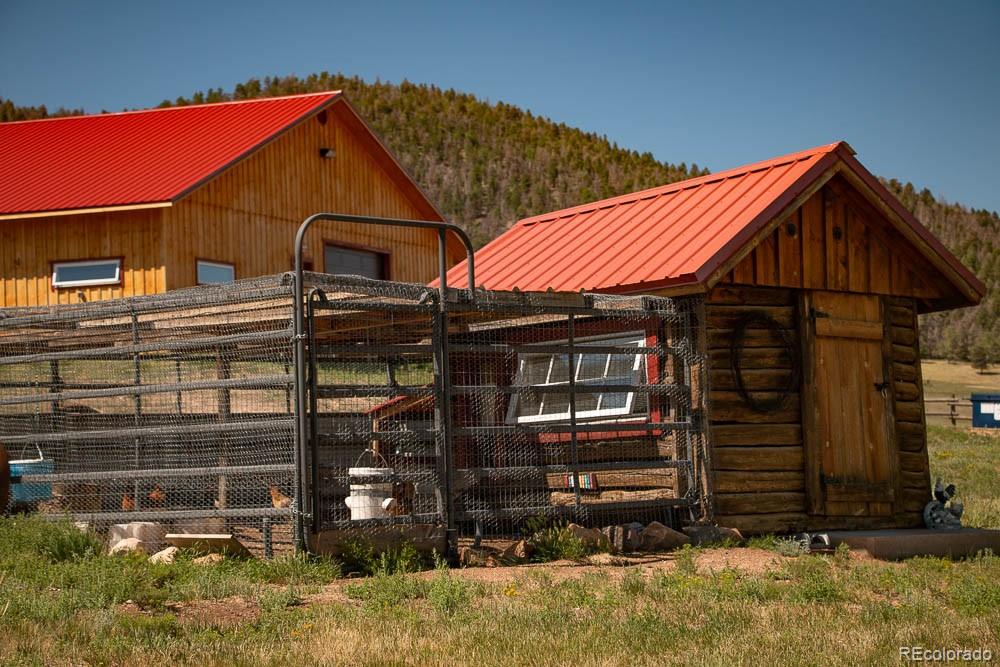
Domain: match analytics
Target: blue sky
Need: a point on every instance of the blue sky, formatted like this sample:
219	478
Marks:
913	86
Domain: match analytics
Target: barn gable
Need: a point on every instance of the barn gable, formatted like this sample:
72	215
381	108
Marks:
686	237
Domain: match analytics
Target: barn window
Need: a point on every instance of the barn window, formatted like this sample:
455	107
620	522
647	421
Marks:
214	273
356	262
597	368
87	273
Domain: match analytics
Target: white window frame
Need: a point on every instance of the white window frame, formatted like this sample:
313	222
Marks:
91	282
220	265
637	338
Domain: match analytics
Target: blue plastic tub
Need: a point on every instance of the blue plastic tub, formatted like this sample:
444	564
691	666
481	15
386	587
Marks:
31	492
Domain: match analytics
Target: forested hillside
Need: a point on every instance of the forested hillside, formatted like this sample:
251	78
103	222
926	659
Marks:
486	165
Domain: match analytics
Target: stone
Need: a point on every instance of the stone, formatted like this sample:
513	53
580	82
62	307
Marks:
712	534
209	559
168	555
150	534
591	537
657	537
517	552
128	545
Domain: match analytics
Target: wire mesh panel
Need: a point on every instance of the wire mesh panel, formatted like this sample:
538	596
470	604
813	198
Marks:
430	416
174	409
482	414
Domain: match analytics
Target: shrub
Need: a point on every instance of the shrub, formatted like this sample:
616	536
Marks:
360	555
554	541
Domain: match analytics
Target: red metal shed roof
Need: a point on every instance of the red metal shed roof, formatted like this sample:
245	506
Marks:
671	235
136	157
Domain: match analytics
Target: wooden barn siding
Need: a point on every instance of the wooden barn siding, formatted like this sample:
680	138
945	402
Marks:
248	216
869	257
757	458
28	248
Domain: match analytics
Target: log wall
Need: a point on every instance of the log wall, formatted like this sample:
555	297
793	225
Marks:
757	458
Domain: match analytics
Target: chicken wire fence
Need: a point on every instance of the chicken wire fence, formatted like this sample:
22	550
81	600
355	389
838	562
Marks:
427	420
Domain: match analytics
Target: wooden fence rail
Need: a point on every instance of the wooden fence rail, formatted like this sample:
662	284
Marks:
953	405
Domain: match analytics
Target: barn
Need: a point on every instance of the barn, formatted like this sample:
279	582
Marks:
809	277
138	203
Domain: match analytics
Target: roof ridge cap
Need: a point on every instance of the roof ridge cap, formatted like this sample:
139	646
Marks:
676	186
329	93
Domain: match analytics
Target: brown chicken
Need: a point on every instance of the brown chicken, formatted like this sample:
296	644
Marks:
157	496
279	499
128	503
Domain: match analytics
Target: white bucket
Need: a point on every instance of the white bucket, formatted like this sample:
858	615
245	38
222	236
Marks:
370	499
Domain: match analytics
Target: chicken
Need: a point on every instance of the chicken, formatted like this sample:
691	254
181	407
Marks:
128	503
279	499
157	496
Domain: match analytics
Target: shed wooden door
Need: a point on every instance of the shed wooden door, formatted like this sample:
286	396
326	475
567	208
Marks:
848	430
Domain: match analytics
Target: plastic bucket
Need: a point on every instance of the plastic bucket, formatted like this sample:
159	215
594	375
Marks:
31	492
371	488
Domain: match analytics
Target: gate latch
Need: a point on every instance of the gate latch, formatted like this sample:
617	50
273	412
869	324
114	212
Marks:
882	386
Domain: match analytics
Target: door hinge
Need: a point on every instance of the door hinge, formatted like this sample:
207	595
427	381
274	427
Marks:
816	314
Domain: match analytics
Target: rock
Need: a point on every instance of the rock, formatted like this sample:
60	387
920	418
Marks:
149	533
128	545
517	552
591	537
712	534
210	559
168	555
657	537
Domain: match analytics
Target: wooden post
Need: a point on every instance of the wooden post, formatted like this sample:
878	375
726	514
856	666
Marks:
952	411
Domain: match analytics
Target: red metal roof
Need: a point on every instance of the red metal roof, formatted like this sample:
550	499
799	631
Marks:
671	235
136	157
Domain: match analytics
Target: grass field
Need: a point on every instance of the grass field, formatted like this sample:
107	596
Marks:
63	603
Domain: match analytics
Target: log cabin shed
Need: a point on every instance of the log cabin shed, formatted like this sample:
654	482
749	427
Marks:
141	202
812	276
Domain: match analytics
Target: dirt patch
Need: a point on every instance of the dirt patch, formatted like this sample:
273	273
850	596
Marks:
744	560
222	613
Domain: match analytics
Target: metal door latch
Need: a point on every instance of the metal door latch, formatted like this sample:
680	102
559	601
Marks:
882	386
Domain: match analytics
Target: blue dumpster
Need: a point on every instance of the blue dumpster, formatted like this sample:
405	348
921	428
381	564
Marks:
986	410
25	492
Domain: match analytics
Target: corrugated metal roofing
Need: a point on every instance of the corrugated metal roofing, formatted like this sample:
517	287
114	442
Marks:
677	234
659	236
135	157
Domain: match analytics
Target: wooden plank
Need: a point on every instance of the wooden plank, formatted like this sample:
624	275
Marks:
857	252
729	406
757	379
756	434
766	261
813	243
913	461
904	372
910	411
752	357
757	524
906	391
843	328
879	281
719	339
836	241
728	317
730	295
760	502
731	481
790	251
904	354
903	335
743	272
757	458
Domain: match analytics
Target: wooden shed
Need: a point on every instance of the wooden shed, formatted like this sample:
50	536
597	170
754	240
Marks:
812	276
122	204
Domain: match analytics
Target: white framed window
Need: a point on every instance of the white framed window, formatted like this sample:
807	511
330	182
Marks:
601	368
213	273
87	273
